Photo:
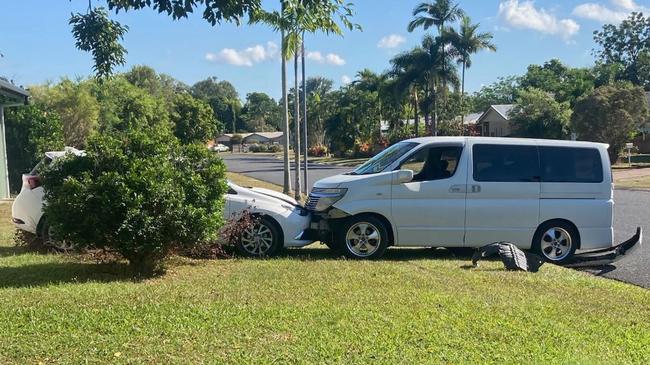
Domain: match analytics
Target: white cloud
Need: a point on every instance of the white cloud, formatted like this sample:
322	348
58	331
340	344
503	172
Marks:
345	79
245	57
334	59
330	58
620	10
391	41
524	15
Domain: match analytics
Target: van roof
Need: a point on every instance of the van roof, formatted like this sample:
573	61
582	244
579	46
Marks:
508	140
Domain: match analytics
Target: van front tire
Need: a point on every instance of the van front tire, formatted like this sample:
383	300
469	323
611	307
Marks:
556	241
362	237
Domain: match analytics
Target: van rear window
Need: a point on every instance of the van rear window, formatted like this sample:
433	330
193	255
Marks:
568	164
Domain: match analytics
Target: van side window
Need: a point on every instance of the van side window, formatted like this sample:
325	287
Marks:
505	163
571	164
433	163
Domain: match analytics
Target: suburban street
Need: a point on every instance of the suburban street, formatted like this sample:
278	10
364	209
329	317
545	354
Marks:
632	210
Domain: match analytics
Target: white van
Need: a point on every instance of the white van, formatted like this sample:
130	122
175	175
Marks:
549	196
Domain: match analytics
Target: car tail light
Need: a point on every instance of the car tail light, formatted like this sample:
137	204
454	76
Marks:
32	181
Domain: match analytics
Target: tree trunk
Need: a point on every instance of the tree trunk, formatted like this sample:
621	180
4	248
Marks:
286	188
462	101
305	141
434	121
415	108
296	120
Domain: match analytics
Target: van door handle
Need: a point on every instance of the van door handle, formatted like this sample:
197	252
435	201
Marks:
458	189
476	188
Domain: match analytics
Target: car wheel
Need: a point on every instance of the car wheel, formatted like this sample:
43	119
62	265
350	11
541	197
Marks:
556	241
363	237
49	239
263	238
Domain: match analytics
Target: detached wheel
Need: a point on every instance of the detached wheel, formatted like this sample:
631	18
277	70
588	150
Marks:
261	239
363	237
49	238
556	242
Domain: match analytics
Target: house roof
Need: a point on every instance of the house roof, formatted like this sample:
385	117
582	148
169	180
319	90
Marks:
11	94
503	109
269	135
472	118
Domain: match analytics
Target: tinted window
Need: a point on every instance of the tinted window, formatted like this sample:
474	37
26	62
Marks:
504	163
567	164
385	158
433	163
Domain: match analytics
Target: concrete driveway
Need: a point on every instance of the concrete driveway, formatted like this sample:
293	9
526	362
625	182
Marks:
632	210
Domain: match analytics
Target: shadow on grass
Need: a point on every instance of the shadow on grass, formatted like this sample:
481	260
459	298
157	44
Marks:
7	251
392	254
47	274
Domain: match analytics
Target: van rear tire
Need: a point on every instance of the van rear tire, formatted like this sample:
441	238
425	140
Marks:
556	241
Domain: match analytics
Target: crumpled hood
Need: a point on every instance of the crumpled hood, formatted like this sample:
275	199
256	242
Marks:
275	194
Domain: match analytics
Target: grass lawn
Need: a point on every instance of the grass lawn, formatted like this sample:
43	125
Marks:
309	306
641	182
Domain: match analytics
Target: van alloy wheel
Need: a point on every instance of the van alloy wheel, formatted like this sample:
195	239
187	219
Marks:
258	239
556	244
363	239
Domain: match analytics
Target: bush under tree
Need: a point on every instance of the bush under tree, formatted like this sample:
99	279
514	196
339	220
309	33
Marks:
138	192
610	114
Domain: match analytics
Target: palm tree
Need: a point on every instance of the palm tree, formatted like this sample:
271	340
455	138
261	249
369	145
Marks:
466	43
294	19
435	14
428	66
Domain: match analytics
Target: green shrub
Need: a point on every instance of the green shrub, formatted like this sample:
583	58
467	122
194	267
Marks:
138	192
275	148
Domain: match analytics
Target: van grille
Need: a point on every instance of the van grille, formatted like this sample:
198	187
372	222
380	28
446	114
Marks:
312	200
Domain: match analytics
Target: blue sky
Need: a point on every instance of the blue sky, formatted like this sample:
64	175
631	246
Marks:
37	45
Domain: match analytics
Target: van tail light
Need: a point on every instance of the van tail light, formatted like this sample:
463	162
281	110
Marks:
31	181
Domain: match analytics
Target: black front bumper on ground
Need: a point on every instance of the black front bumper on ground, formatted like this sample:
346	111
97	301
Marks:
609	255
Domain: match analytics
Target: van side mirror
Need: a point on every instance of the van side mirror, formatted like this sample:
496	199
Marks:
403	176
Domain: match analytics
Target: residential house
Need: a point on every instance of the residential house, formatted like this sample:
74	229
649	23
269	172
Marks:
250	138
10	95
495	122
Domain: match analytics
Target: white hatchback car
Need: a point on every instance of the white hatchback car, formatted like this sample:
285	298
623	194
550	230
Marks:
281	221
220	148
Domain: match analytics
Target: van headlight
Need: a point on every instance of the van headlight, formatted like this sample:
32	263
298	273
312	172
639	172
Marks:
322	198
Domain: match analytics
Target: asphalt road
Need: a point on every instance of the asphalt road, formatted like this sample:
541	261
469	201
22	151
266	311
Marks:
632	210
269	168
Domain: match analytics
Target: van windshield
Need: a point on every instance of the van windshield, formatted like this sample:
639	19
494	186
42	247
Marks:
384	159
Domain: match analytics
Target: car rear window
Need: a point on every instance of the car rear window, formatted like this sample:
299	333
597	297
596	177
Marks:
569	164
505	163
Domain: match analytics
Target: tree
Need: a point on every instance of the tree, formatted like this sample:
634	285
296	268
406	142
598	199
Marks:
158	85
76	105
294	18
504	91
30	132
261	113
318	111
610	114
564	83
627	44
96	33
124	106
138	192
223	98
466	43
193	120
538	115
431	67
436	14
